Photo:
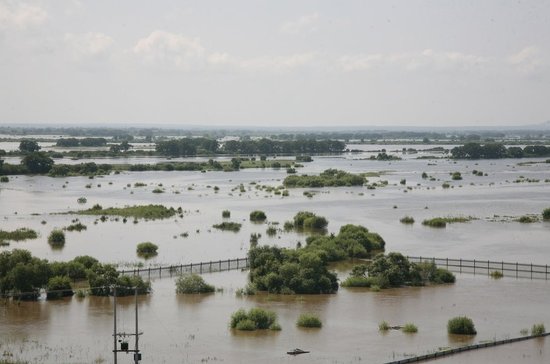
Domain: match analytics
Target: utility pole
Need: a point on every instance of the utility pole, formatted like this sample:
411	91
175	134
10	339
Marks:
123	343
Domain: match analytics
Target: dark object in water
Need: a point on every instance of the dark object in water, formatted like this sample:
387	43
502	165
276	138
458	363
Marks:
297	351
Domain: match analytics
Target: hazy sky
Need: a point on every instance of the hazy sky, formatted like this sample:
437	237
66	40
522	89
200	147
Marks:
277	62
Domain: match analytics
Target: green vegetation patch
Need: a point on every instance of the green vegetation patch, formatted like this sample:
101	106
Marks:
56	238
395	270
309	320
546	214
305	220
538	329
257	216
147	249
409	328
328	178
407	220
18	234
441	222
254	319
461	325
191	284
228	226
150	212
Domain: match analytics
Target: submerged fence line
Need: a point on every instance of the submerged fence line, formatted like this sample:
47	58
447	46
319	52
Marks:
486	267
199	268
448	352
471	266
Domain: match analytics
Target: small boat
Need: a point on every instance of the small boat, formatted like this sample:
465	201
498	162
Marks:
297	351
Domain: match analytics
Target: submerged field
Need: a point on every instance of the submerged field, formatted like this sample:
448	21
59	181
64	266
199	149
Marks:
190	329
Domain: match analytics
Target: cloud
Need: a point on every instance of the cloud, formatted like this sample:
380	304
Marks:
528	60
21	16
305	24
89	44
170	48
278	63
411	61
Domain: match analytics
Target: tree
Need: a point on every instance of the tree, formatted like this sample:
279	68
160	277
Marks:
37	162
28	146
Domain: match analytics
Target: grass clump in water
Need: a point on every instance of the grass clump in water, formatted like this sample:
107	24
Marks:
147	249
407	220
192	283
546	214
227	225
254	319
538	329
441	222
410	328
308	220
76	227
152	212
309	320
461	325
383	326
257	216
18	234
527	219
496	274
56	238
226	214
271	231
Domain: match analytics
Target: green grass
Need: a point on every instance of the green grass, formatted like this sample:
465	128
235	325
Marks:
407	220
461	325
410	328
76	227
441	222
538	329
151	212
192	283
309	320
383	326
56	238
254	319
18	234
228	226
496	274
527	219
147	249
257	216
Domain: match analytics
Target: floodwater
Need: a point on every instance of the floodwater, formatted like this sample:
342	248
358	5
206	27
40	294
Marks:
193	329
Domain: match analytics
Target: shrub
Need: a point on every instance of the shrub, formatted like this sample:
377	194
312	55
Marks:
456	176
58	287
309	320
226	225
445	185
496	274
461	325
4	179
56	238
308	220
546	214
82	200
538	329
255	319
147	249
271	231
192	283
436	222
407	220
357	282
76	227
257	216
226	214
18	234
383	326
526	219
410	328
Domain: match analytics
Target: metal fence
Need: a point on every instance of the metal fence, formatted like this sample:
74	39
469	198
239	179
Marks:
487	267
199	268
443	353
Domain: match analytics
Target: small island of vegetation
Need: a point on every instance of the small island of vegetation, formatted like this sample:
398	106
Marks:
328	178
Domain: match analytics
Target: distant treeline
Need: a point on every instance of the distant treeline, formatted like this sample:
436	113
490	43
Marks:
85	142
498	150
194	146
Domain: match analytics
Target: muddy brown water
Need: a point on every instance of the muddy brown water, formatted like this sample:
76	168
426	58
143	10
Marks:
192	329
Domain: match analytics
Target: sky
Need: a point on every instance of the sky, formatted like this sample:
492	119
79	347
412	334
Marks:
275	63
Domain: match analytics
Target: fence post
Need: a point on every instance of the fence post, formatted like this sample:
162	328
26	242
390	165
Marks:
460	265
160	272
546	272
191	269
228	264
531	270
502	267
220	265
238	260
516	269
149	273
488	269
474	267
447	263
201	268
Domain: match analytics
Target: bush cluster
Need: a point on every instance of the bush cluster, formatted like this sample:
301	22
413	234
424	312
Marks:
254	319
309	320
192	283
328	178
394	270
461	325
